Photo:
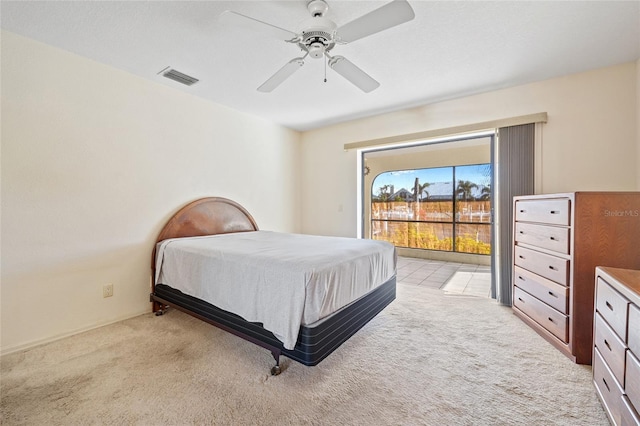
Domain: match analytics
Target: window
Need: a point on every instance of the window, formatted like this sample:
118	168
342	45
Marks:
424	209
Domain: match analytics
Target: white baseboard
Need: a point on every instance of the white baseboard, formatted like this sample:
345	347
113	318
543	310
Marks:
38	342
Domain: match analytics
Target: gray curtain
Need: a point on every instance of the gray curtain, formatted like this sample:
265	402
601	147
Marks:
515	152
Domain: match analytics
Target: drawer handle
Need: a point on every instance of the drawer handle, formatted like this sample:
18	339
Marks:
605	383
555	212
552	238
521	256
609	305
520	278
553	294
607	344
520	299
523	211
550	319
553	268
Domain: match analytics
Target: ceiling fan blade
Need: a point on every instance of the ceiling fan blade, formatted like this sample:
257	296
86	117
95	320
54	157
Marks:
355	75
391	14
253	24
281	75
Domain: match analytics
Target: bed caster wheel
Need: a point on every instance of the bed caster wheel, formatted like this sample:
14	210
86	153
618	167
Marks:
158	313
275	370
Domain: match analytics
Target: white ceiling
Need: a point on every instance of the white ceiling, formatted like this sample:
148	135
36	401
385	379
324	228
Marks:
451	49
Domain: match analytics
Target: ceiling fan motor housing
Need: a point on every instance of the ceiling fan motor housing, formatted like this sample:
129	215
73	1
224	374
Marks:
317	36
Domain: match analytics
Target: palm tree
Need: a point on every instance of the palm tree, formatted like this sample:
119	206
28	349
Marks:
384	194
418	189
423	189
485	194
464	189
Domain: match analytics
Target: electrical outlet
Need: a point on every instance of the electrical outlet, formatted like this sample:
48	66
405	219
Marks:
107	290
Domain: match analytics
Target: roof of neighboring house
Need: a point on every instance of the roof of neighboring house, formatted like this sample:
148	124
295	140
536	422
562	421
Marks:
437	191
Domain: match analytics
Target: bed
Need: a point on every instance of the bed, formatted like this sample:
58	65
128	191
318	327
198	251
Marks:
296	295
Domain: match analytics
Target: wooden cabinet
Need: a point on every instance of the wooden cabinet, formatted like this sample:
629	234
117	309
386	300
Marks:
558	240
616	345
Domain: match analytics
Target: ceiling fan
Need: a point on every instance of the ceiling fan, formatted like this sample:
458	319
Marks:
318	35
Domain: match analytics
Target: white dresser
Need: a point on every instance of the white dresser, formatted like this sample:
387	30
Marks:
616	345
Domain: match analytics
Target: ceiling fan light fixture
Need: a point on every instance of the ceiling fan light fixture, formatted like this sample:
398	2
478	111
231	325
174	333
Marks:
316	50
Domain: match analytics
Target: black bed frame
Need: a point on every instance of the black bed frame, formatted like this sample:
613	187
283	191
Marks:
313	344
215	215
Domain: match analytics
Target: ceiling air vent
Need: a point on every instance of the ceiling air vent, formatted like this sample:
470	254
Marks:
178	76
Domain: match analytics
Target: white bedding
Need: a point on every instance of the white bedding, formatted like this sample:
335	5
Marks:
280	280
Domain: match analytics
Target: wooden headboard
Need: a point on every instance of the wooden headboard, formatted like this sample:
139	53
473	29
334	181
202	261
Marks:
206	216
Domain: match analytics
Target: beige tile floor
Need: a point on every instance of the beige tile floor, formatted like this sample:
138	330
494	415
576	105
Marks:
453	278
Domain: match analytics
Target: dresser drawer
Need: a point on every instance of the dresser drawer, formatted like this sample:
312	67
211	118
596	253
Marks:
611	348
554	238
552	211
554	295
608	388
633	330
632	386
628	414
552	267
613	307
552	320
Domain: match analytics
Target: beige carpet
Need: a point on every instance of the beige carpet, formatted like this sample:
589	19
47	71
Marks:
428	359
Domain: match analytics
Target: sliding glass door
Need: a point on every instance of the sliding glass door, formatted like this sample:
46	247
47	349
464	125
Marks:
445	209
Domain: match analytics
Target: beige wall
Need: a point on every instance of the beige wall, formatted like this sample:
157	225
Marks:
589	143
445	154
94	160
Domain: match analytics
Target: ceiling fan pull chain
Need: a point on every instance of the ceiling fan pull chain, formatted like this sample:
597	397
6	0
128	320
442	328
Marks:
325	71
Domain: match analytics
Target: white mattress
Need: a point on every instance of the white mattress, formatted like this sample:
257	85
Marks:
280	280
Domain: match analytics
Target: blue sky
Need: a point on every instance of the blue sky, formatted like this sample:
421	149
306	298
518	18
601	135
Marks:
406	178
